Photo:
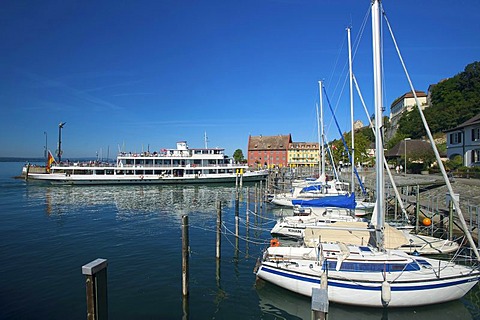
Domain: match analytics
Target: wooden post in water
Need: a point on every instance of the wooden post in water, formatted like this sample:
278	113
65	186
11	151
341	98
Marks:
96	288
261	194
236	180
248	206
256	199
185	252
320	299
219	228
236	213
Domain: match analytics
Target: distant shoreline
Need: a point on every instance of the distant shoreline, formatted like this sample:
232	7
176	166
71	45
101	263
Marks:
33	159
21	159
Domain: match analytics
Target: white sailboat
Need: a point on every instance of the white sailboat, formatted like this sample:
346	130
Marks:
368	274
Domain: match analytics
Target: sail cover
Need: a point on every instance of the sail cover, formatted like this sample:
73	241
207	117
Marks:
339	201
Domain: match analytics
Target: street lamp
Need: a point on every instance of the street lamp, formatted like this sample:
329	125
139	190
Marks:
46	145
59	154
405	148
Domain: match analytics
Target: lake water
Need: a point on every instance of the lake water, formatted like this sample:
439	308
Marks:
48	233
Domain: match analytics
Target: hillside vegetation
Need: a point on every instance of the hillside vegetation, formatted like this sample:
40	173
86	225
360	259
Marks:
453	101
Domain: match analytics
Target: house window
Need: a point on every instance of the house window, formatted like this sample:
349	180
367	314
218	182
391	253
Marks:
456	138
476	155
475	134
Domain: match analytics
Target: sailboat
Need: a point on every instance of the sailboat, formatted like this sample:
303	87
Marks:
367	274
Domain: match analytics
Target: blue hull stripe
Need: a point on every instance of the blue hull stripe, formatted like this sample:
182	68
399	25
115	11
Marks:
336	283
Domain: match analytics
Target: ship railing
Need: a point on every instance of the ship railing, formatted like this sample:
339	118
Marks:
149	165
83	164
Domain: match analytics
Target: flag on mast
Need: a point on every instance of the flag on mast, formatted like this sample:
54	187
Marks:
50	160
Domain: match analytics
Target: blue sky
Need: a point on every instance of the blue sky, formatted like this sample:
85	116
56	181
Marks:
145	74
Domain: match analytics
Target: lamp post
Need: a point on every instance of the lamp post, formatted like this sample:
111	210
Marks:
405	148
59	154
46	146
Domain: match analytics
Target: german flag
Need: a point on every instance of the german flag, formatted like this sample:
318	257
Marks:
50	160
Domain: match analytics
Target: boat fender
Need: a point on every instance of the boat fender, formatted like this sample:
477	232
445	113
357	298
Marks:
386	293
274	242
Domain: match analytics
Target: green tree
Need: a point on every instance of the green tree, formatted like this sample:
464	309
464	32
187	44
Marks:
425	156
455	100
411	125
395	139
455	163
362	142
238	156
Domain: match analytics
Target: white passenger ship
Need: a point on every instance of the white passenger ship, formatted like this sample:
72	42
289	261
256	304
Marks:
168	166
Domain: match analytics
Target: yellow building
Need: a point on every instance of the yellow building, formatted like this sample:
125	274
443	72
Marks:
303	154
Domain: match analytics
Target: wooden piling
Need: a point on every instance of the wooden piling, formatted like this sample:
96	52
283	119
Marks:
319	303
247	205
96	289
237	208
219	229
256	198
185	253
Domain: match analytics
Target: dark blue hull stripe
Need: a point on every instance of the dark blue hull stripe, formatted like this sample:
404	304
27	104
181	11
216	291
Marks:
341	284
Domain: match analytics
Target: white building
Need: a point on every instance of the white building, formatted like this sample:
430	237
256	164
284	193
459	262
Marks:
464	140
403	104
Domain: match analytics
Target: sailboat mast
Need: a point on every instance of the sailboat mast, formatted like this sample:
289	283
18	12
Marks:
352	183
378	94
321	133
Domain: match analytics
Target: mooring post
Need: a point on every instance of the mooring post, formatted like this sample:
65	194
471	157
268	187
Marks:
237	208
319	303
185	252
247	205
256	199
219	228
262	194
96	288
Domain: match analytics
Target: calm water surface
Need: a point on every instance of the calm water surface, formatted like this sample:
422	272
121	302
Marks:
48	232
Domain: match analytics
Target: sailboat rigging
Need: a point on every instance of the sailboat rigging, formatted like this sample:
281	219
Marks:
368	274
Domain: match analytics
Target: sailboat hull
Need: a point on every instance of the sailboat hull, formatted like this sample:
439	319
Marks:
419	283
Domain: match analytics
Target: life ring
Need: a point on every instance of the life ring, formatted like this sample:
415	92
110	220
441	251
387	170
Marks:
141	177
274	242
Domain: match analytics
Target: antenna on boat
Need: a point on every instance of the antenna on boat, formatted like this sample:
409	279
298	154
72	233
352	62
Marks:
206	140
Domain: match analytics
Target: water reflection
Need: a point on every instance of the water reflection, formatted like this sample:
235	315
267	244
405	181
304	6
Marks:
283	304
132	200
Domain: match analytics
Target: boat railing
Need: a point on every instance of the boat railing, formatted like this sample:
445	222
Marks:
85	164
174	153
149	165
